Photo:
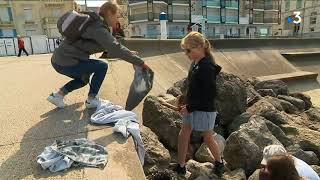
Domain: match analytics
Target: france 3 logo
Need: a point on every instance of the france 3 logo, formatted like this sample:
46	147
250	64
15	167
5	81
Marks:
295	18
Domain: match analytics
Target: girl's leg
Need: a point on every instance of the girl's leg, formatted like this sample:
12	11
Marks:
183	142
212	145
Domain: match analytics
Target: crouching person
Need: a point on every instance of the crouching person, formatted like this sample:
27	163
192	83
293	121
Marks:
71	58
199	113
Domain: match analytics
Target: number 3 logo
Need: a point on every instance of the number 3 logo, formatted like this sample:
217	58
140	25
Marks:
297	13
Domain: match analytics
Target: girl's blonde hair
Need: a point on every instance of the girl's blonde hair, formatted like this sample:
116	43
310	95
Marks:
195	39
110	6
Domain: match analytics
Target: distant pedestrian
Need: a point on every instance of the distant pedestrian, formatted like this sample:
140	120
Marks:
21	46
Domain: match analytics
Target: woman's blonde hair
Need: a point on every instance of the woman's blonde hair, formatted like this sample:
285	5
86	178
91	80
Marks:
110	6
195	39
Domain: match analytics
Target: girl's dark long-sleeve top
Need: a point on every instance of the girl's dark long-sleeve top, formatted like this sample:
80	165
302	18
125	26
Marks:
201	86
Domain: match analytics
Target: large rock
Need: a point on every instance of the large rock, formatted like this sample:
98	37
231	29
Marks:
157	157
282	105
237	174
295	101
166	123
252	95
279	87
204	155
307	139
267	92
314	114
236	123
244	147
162	175
200	169
255	175
278	133
231	97
265	109
303	97
174	91
307	156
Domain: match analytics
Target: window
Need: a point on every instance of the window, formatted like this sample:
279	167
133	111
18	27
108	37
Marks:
312	29
56	12
313	18
4	16
299	4
28	13
287	5
30	32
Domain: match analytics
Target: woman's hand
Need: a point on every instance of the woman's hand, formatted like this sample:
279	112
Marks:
184	110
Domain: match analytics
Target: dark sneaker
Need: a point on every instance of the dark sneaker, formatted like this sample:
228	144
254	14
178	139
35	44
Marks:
180	170
219	168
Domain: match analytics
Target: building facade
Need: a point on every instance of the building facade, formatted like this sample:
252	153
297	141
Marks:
310	18
37	17
224	18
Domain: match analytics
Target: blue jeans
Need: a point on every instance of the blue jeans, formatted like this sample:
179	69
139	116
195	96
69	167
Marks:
81	73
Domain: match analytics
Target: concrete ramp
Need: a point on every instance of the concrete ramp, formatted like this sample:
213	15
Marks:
243	57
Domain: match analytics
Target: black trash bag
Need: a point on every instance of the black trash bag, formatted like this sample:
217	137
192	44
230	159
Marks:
140	87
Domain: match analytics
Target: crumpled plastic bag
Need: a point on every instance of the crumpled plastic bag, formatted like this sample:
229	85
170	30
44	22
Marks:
140	87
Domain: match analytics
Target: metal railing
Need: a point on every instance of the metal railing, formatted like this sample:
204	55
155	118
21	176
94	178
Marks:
137	17
232	19
231	4
180	1
270	20
53	1
213	3
257	19
180	16
6	23
213	18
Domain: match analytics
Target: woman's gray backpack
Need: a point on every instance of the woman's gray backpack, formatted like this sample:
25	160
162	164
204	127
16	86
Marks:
72	24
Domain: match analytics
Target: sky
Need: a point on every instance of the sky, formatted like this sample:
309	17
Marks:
92	3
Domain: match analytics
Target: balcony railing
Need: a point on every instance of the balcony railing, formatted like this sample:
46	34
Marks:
180	16
231	19
231	4
258	20
179	1
6	23
258	5
271	20
271	6
4	3
213	18
50	20
29	22
53	2
215	3
138	17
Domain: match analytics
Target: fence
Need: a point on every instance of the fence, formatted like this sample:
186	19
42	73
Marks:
34	45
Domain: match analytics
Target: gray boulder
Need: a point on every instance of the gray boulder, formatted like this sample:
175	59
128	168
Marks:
295	101
313	114
278	133
241	119
164	122
244	147
200	169
265	109
231	97
267	92
279	87
238	174
305	98
157	157
174	91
